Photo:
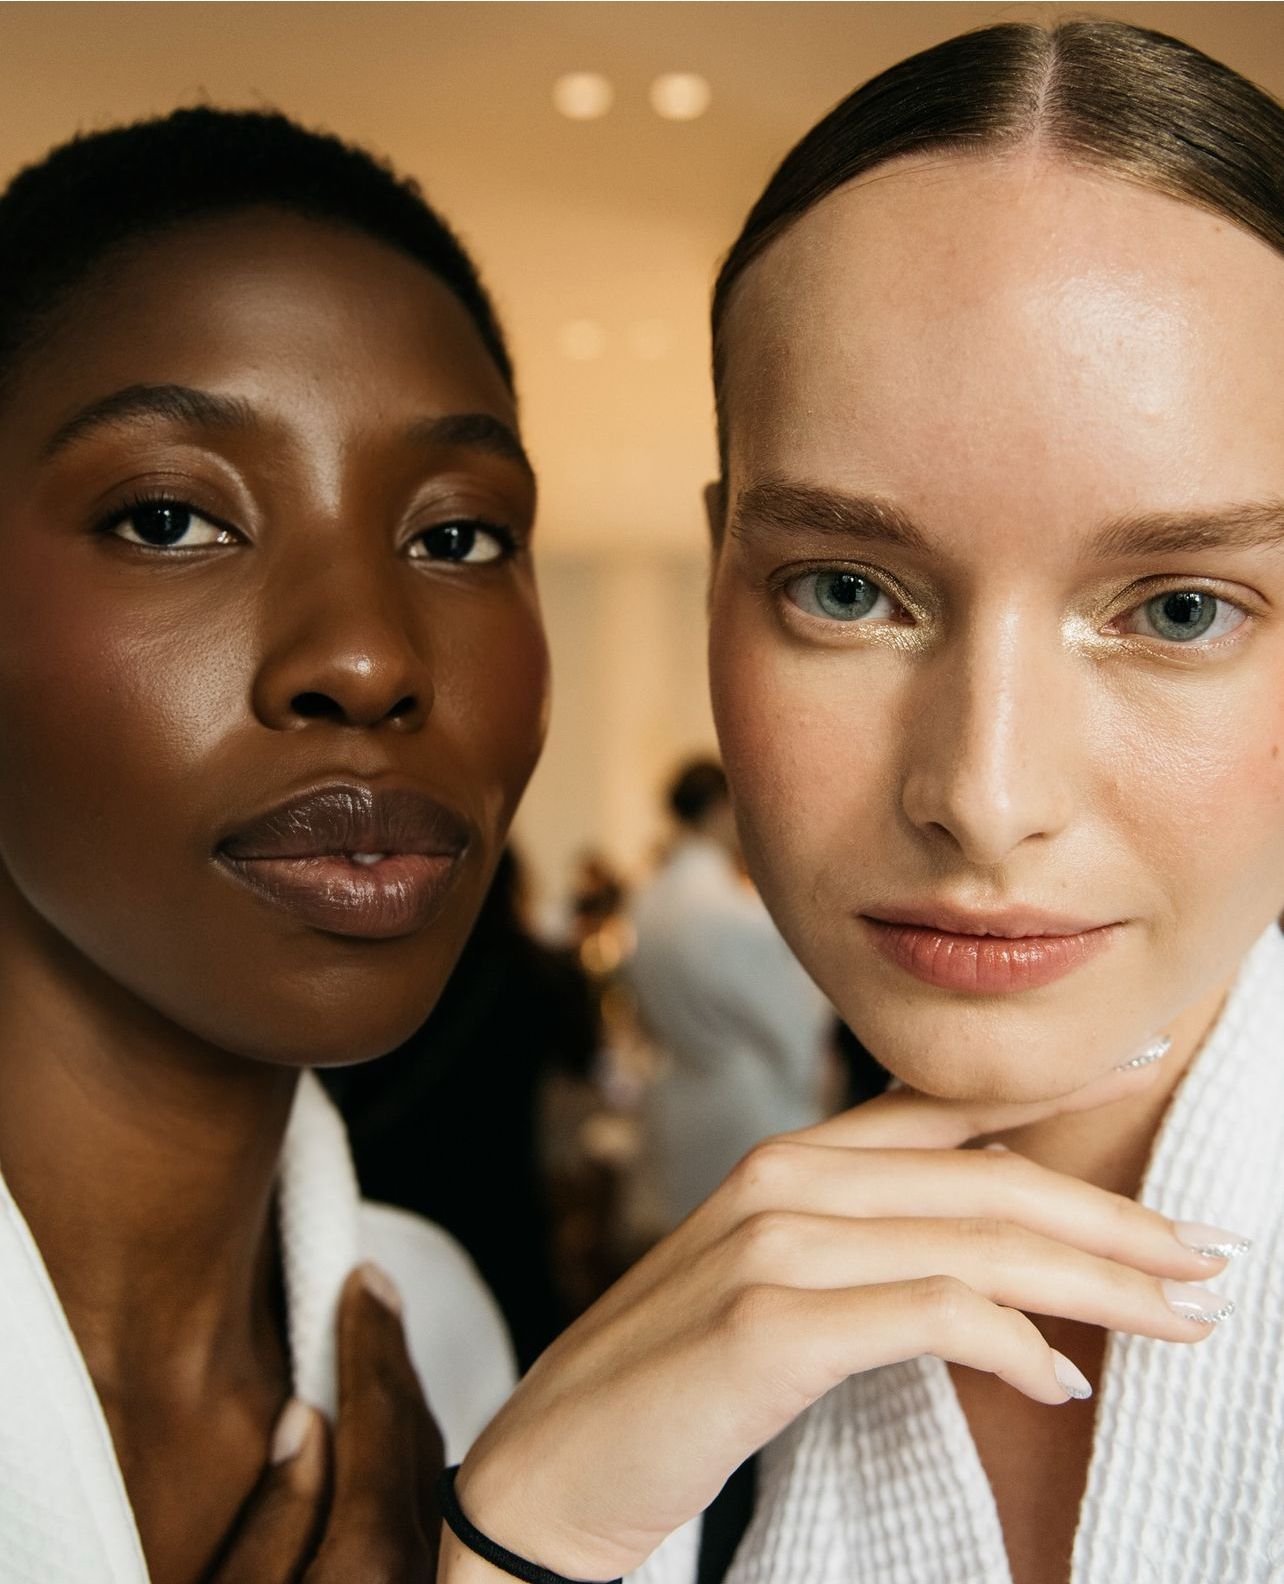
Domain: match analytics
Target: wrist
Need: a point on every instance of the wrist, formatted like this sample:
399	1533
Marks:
517	1540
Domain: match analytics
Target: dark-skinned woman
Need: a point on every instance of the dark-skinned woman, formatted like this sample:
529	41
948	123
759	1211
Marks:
272	680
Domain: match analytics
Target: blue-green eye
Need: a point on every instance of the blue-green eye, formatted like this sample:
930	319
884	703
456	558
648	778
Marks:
463	542
1184	615
838	595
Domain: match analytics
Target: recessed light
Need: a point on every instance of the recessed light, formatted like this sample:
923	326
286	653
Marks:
680	96
583	96
581	340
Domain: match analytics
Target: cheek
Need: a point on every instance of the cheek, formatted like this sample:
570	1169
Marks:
492	699
105	714
1204	801
807	754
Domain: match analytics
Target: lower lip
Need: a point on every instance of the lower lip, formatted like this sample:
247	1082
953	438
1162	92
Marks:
986	964
381	901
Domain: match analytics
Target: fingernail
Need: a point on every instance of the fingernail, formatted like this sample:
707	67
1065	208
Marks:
1070	1377
291	1431
1211	1241
1197	1303
380	1285
1155	1051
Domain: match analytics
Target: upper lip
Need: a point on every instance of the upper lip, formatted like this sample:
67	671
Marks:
348	817
1007	923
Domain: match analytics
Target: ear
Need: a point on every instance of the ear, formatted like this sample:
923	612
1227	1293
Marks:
715	509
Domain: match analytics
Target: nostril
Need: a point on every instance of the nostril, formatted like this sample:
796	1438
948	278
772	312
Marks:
314	706
403	707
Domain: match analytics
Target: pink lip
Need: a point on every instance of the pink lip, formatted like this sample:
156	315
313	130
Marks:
986	954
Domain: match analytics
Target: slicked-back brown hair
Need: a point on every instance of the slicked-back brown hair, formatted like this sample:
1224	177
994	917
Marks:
1124	100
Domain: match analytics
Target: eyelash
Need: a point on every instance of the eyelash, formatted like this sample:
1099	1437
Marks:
791	581
142	500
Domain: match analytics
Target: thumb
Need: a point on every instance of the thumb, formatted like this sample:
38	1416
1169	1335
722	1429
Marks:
278	1528
905	1119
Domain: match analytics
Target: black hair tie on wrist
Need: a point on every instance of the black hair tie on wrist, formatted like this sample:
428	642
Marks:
515	1566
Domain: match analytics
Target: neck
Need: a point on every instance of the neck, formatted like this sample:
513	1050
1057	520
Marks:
1111	1147
143	1162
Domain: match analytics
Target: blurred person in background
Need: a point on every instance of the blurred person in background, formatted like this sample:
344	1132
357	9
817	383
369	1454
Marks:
449	1124
744	1030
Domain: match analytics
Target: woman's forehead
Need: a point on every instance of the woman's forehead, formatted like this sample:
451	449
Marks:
970	321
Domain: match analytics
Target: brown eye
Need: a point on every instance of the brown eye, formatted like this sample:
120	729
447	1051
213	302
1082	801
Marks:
166	525
465	543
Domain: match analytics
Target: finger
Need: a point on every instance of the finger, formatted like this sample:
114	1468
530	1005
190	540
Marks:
905	1119
784	1173
846	1331
279	1525
1006	1264
378	1433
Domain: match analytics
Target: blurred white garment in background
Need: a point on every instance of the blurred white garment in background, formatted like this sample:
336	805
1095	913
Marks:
744	1029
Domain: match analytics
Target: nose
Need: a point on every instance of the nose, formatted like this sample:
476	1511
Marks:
985	766
345	648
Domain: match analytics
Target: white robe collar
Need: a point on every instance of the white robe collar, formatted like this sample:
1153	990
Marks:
880	1482
64	1514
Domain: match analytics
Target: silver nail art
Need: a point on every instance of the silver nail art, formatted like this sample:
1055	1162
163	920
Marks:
1155	1051
1210	1241
1197	1303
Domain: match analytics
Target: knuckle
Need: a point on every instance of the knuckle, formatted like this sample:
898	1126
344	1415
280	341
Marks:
942	1300
764	1238
759	1177
989	1236
753	1311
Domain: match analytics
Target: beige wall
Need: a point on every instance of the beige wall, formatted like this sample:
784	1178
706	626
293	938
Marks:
630	698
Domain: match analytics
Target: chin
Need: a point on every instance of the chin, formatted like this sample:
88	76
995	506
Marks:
995	1053
336	1025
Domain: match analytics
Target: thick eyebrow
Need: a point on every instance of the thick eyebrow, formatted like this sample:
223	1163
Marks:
175	403
778	506
474	432
1250	525
183	404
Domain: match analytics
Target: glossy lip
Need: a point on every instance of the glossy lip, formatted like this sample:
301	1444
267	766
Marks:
297	856
986	953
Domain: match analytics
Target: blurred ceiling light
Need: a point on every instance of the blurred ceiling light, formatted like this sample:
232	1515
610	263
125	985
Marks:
581	340
583	96
680	96
650	340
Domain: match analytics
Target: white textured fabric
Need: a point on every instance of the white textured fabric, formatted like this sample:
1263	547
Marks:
64	1514
880	1482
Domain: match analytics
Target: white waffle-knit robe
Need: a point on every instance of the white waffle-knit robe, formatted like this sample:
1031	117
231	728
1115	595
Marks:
64	1514
880	1482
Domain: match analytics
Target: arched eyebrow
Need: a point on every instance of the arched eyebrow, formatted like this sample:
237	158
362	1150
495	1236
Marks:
1248	525
184	404
783	507
780	506
173	403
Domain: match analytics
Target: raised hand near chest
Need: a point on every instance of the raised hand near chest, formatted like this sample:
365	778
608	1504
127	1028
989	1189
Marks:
356	1505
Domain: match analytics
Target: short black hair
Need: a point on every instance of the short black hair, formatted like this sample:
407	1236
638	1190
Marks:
699	786
101	191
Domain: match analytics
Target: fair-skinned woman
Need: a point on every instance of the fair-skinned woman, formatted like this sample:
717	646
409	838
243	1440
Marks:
997	645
